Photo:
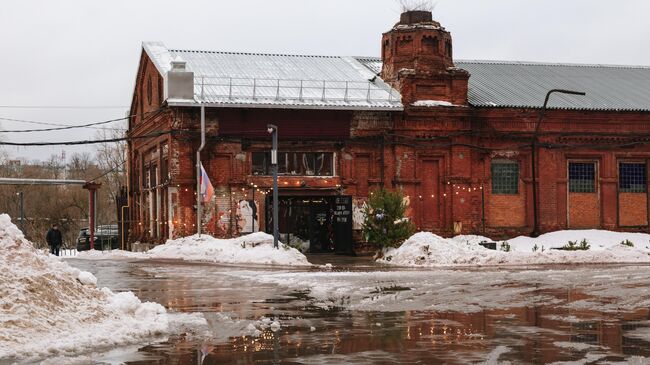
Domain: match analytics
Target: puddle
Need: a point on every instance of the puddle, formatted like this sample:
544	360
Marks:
594	315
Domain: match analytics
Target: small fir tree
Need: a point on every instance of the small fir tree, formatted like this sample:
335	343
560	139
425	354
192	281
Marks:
385	223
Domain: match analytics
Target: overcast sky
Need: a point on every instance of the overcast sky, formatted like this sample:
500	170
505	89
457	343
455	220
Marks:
85	53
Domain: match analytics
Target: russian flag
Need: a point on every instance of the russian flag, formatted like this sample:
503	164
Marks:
207	191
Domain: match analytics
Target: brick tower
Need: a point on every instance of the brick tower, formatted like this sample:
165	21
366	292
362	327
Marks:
417	60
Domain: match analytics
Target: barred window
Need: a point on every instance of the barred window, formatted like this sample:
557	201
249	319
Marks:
295	163
632	177
505	177
582	177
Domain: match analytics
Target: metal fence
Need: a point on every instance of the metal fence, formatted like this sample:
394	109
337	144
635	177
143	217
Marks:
221	87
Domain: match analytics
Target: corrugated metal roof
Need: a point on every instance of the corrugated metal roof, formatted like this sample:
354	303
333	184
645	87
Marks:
525	84
295	81
275	80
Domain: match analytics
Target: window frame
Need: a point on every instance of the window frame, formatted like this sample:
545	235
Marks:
571	188
630	189
501	189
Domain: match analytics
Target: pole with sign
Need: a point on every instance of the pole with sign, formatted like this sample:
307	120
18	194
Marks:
274	165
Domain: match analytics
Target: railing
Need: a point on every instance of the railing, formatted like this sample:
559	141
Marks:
211	87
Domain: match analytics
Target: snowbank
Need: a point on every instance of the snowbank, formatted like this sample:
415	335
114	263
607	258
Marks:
48	308
256	248
429	250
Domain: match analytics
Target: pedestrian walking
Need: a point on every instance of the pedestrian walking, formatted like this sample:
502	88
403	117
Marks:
54	239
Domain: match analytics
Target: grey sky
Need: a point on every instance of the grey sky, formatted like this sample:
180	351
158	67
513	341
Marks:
85	53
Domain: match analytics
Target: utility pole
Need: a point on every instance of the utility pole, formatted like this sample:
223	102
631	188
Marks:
533	153
274	165
21	197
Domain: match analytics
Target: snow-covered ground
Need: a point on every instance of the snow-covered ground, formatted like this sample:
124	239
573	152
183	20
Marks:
256	248
429	250
50	309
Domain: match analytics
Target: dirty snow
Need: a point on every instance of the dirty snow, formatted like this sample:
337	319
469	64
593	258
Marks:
256	248
49	309
429	250
443	290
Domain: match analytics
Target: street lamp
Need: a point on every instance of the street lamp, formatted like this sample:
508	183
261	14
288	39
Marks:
273	130
533	146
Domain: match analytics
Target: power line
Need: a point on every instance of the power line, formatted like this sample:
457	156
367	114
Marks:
121	164
60	126
86	142
62	107
56	124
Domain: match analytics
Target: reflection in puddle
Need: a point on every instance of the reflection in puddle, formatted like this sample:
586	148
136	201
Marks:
453	316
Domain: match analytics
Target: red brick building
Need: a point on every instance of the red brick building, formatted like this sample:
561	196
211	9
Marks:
456	136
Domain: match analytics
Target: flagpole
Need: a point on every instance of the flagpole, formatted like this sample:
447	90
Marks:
198	167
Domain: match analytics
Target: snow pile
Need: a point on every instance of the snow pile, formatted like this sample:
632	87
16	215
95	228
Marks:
256	248
48	308
110	255
432	103
598	240
427	249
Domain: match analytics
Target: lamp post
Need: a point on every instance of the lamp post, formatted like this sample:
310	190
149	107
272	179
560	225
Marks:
533	146
274	165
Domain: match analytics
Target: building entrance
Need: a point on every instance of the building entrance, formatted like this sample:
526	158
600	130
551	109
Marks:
317	224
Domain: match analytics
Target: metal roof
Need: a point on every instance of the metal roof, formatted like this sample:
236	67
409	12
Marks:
504	84
297	81
231	79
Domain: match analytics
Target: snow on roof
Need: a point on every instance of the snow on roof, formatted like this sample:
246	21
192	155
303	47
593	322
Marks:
332	82
277	80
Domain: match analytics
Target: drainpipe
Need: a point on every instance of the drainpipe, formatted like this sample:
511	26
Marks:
533	153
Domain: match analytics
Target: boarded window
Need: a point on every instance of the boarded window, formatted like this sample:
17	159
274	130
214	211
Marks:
295	163
582	177
505	177
632	177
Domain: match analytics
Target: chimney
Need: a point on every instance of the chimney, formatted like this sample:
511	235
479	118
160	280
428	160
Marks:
180	81
417	57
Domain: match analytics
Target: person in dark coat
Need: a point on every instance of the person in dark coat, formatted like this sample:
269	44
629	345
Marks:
54	239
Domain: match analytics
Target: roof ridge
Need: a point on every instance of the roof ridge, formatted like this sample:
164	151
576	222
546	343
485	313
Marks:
530	63
537	63
251	53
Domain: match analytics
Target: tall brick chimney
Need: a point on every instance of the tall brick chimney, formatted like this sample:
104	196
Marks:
417	56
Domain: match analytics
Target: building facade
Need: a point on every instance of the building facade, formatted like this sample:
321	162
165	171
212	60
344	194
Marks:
457	137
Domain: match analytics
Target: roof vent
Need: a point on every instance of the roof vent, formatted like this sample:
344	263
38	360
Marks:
178	64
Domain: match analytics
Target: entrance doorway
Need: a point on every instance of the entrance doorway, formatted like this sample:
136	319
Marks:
315	224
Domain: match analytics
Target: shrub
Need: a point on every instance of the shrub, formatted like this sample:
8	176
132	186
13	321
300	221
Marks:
385	223
575	246
535	248
627	243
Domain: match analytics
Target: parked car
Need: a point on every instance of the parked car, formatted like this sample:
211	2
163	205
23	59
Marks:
106	238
